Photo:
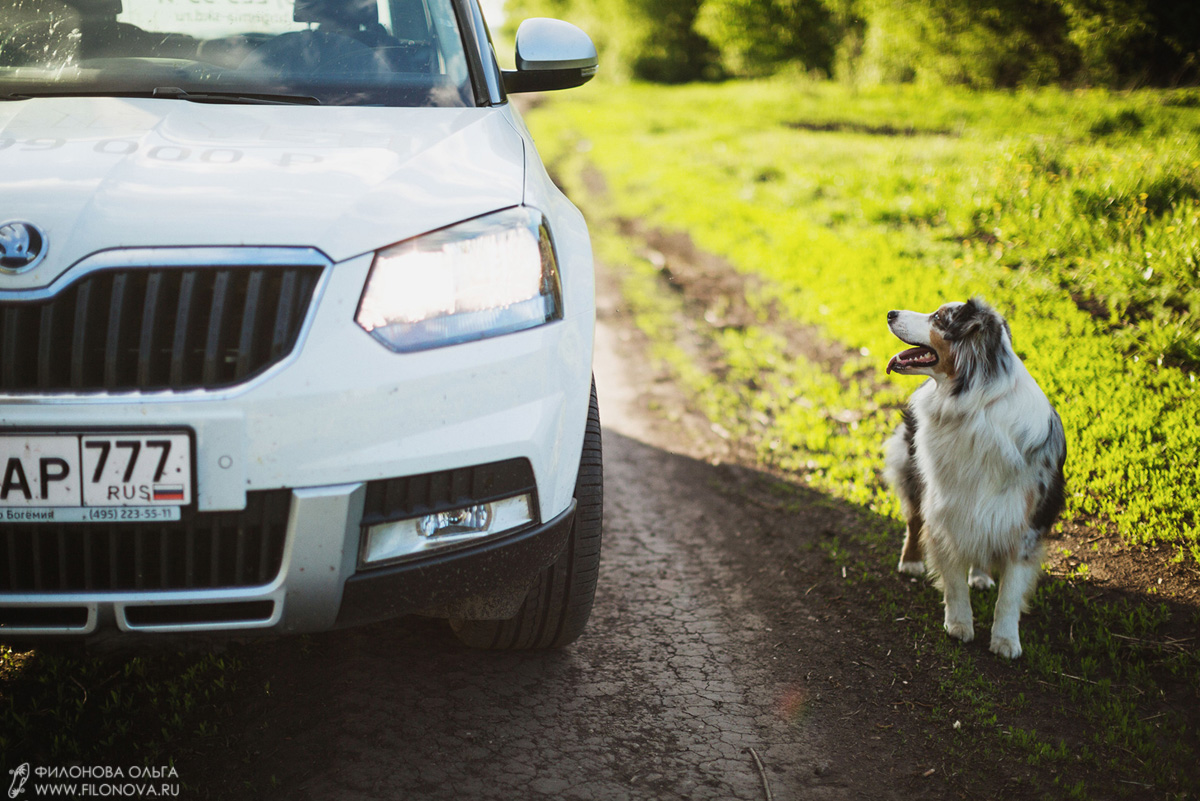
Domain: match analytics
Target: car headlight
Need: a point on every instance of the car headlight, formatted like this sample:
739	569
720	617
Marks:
488	276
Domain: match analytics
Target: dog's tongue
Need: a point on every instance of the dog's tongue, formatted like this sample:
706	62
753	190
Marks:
913	356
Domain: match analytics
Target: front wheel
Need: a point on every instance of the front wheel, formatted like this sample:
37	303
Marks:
557	606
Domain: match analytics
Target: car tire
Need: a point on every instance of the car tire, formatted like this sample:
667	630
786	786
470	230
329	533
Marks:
558	605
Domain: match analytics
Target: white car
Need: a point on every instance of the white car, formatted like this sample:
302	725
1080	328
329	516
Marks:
295	330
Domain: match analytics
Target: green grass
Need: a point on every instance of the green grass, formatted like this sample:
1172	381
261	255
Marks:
153	709
1044	203
1076	214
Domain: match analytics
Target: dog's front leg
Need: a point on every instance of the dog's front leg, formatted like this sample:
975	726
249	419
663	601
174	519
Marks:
957	596
1016	584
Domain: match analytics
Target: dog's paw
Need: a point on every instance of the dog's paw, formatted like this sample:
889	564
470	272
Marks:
960	630
1007	647
980	580
912	568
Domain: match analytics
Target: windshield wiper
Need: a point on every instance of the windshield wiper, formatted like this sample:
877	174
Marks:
175	93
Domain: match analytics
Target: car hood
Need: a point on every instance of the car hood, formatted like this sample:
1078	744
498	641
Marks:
101	173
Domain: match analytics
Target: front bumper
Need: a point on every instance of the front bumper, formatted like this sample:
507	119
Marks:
484	581
340	412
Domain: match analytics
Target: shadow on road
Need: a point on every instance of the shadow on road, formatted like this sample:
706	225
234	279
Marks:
741	621
678	679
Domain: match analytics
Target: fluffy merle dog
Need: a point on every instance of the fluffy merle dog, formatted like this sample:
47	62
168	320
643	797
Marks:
977	462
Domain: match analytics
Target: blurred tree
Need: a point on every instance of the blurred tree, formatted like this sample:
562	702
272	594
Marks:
756	37
980	43
999	43
673	49
1129	42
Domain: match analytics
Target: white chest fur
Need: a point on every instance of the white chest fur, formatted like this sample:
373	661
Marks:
979	486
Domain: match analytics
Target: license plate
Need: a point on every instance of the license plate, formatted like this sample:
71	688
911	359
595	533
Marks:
122	476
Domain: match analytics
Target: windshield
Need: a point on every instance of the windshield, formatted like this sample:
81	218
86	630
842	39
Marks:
344	52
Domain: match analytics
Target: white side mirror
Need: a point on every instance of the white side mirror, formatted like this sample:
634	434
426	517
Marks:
551	54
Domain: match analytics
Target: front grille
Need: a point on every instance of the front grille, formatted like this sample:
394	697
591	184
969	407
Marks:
203	550
172	329
414	496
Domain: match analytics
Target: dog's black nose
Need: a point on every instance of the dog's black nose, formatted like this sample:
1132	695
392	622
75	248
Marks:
892	315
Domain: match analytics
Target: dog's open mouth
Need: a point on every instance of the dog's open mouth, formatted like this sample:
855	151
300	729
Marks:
913	358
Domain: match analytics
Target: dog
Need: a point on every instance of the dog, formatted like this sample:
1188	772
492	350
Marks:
977	463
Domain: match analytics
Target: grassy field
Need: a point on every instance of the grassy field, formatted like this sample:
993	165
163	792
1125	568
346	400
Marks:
1076	214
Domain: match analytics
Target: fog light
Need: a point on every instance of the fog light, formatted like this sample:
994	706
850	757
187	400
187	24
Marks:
416	536
471	520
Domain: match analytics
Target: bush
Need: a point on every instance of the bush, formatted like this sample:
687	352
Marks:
671	49
1130	42
984	44
756	37
1004	43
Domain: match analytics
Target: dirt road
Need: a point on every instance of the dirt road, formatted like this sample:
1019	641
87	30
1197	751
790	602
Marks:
711	668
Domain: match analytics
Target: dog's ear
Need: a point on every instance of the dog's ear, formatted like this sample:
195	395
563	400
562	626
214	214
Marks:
979	350
967	319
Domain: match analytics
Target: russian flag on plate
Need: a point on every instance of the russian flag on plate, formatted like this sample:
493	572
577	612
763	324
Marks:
168	492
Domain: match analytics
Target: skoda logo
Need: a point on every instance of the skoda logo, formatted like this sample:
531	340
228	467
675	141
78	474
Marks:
22	246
